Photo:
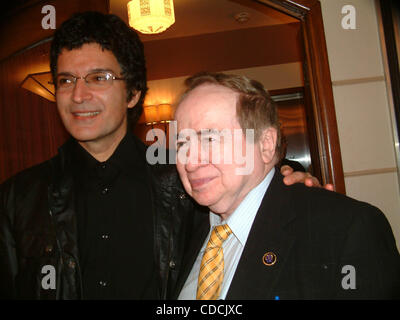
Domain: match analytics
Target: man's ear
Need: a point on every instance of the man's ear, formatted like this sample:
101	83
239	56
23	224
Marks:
135	99
268	144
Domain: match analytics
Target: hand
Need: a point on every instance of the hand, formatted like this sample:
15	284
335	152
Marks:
291	177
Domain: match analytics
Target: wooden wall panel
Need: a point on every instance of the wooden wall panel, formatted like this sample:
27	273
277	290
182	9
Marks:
30	129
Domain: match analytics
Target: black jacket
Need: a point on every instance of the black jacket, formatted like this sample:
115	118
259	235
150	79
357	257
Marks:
316	236
38	228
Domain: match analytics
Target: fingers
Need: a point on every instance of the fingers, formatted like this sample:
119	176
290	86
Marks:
286	170
306	178
312	182
329	187
291	177
297	177
301	177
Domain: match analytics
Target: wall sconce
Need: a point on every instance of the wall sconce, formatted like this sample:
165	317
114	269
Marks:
39	83
154	117
151	16
161	113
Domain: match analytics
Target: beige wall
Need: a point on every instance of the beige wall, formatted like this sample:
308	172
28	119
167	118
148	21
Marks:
362	108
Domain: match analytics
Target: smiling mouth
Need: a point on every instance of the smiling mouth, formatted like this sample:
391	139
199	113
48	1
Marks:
89	114
198	184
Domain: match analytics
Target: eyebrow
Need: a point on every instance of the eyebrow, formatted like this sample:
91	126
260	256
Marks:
90	71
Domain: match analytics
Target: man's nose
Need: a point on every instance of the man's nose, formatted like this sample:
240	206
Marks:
196	158
81	92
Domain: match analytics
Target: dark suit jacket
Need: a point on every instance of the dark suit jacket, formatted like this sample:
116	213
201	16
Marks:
314	234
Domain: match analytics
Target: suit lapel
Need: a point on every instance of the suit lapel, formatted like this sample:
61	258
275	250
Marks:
197	239
253	279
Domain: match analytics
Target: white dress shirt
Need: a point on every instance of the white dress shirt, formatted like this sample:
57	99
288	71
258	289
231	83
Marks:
240	222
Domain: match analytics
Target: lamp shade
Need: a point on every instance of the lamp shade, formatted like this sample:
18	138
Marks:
151	16
157	114
165	112
151	115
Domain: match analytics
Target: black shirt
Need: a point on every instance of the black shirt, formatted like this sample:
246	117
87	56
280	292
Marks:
115	224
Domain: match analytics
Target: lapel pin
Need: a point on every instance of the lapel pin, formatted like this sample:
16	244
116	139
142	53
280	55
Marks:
269	259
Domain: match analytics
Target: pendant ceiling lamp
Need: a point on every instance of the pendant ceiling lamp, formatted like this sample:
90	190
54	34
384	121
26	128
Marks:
151	16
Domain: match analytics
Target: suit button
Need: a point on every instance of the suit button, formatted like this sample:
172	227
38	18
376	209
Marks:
102	283
105	236
172	264
105	191
182	196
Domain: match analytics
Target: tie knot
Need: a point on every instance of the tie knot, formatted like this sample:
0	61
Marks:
219	235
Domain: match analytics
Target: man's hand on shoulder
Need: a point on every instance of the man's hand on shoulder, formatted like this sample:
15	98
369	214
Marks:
292	177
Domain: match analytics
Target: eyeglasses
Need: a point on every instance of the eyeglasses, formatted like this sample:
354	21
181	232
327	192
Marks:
98	80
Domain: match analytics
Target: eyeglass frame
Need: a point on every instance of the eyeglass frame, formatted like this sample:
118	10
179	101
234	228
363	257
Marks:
107	72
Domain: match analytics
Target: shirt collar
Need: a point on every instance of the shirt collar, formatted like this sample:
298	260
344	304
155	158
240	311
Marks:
124	156
241	220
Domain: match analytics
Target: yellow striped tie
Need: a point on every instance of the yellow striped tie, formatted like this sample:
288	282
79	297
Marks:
212	265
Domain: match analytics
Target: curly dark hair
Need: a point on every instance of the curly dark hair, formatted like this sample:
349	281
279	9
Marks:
113	34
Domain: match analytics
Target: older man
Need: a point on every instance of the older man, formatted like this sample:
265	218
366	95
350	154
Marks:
263	239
